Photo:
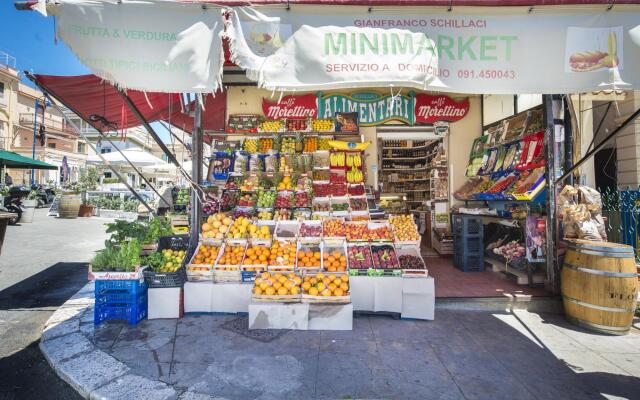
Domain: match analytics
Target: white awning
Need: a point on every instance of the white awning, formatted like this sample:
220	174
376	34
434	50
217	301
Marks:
138	157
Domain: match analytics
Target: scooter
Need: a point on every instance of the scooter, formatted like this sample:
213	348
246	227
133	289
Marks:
45	195
13	204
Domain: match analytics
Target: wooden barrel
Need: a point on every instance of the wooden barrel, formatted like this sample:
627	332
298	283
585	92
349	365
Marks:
600	286
69	205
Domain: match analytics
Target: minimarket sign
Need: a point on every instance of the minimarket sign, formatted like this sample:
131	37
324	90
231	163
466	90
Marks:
172	46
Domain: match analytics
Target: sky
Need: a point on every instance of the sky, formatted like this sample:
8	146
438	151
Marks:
30	38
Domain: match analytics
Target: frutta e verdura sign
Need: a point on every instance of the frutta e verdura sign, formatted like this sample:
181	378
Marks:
372	108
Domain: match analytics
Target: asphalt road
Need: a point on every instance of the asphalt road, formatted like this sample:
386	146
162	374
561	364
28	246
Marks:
42	264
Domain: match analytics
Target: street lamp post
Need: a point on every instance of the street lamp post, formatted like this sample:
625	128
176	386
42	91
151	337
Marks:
33	145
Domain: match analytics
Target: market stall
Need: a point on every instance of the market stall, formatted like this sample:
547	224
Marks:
319	199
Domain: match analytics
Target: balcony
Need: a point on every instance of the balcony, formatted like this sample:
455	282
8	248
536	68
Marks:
7	61
51	125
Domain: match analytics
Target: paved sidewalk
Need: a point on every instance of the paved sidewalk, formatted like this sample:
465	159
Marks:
460	355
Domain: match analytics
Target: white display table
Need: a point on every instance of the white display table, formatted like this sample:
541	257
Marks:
164	303
301	316
209	297
409	297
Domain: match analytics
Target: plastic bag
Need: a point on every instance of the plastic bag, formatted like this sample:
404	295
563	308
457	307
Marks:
588	230
591	198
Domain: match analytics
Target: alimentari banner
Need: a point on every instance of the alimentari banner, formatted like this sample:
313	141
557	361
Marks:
150	45
319	48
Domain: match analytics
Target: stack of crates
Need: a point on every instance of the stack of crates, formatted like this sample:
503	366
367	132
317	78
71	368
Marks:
120	299
468	245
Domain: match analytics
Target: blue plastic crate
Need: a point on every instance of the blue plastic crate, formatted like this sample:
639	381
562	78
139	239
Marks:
132	287
468	245
469	263
467	225
132	313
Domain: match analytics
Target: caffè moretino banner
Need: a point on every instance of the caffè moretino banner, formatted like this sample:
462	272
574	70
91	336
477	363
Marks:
151	45
319	48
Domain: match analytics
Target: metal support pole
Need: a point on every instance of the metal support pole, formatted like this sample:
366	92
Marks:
33	145
553	275
196	175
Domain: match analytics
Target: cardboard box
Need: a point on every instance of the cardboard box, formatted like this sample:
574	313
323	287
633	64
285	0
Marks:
165	303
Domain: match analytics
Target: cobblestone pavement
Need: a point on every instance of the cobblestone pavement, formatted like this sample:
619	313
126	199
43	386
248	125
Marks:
460	355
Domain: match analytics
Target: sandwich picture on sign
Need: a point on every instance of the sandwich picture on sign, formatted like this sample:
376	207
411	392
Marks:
593	49
346	122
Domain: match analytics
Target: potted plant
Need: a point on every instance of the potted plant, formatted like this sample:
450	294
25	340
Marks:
117	262
88	180
29	204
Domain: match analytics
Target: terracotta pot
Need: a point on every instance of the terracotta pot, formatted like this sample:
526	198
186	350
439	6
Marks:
86	210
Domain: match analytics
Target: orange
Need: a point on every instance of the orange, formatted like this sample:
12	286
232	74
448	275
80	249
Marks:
257	291
306	286
316	255
313	291
270	291
282	291
338	292
344	287
295	290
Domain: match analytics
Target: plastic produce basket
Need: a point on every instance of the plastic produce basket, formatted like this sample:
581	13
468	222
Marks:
166	279
473	263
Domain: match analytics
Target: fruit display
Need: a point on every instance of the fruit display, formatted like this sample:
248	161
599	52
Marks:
321	189
354	175
240	163
302	199
357	204
277	285
323	143
239	229
356	190
216	226
309	257
502	184
259	232
310	230
285	165
384	257
250	146
285	184
379	232
247	200
283	254
357	232
265	144
231	258
337	177
321	175
408	261
360	217
284	200
183	197
245	212
322	125
288	145
271	126
353	160
229	200
337	160
334	259
206	254
322	285
266	199
271	163
282	214
510	250
338	189
323	206
310	144
165	260
265	215
296	125
250	183
210	204
339	206
359	257
404	228
256	258
333	228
